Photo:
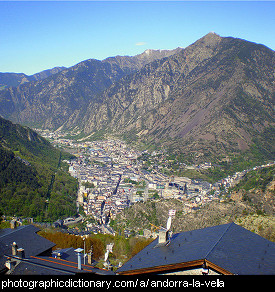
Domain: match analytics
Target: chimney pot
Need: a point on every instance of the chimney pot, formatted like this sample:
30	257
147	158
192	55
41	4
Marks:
21	253
14	248
90	257
78	252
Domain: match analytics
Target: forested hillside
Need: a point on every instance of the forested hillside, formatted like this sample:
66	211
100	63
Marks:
33	180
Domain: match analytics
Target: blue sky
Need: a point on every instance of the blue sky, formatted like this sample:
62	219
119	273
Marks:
39	35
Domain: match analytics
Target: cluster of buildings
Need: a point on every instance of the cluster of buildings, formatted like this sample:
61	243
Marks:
112	176
101	168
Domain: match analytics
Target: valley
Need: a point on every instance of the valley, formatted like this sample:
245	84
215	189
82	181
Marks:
115	179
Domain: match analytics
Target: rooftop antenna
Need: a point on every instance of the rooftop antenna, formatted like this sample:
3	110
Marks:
171	214
169	222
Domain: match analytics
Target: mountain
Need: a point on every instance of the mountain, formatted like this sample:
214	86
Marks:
61	98
213	98
210	101
32	183
15	79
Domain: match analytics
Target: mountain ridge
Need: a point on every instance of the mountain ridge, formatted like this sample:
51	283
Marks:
158	101
50	102
211	99
8	79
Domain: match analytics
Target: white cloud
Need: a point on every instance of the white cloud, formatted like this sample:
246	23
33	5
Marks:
140	44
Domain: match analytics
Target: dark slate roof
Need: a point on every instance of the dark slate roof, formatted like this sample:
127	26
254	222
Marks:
228	246
35	267
26	237
244	252
34	262
47	265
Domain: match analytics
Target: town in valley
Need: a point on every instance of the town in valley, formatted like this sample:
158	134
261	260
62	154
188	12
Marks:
112	177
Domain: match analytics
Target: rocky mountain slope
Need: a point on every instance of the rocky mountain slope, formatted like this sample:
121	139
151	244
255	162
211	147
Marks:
63	97
214	98
139	216
257	188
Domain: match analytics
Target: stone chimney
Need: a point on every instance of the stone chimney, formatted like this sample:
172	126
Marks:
163	236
